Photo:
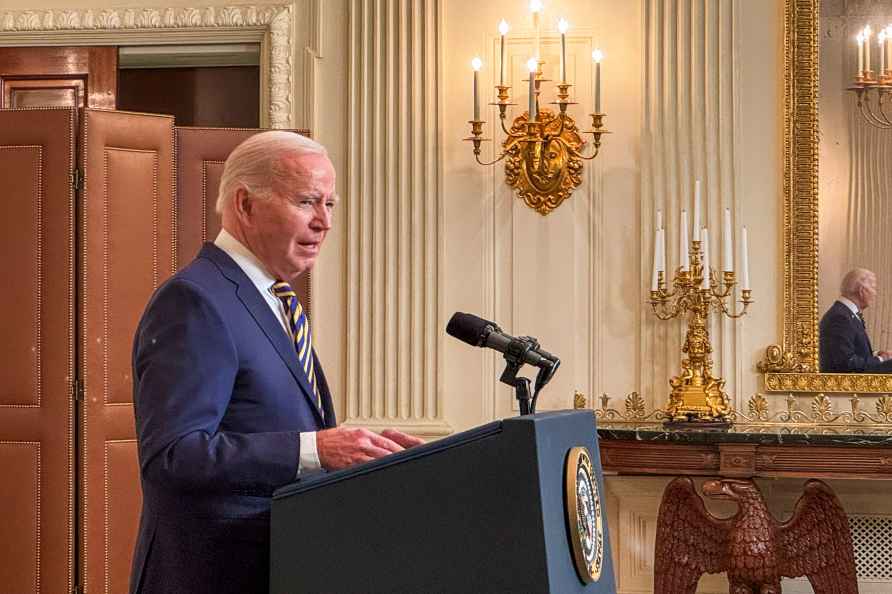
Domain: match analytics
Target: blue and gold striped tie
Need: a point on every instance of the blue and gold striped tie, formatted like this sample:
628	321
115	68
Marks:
300	331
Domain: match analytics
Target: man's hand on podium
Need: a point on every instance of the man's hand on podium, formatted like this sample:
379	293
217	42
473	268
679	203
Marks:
345	446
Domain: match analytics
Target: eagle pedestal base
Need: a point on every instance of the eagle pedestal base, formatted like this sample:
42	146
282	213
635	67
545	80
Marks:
752	547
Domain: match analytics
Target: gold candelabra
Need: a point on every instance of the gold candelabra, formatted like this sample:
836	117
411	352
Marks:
697	395
872	89
543	148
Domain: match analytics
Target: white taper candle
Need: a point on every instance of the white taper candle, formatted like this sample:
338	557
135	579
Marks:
697	210
662	243
727	252
744	252
704	238
476	63
867	48
683	257
562	27
654	277
860	39
503	30
532	66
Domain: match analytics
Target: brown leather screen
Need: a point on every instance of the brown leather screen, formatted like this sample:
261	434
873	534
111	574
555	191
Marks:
127	250
37	325
201	153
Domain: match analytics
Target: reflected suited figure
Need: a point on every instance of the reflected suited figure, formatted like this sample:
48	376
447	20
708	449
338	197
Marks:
845	346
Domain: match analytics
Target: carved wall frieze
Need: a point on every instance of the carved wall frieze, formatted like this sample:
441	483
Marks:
276	20
821	412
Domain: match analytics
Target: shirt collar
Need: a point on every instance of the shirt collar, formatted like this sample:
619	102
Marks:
850	304
246	260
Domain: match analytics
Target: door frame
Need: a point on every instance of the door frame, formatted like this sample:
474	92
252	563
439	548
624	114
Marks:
273	26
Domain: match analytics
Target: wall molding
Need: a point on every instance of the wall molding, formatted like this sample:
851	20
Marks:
394	217
271	25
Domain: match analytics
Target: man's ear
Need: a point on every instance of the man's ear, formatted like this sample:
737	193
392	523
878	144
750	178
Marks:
243	202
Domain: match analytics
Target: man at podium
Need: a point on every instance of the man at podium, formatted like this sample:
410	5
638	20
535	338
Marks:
230	398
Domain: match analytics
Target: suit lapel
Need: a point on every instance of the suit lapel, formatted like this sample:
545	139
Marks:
264	317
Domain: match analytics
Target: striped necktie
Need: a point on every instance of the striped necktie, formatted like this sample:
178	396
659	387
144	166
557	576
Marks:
300	331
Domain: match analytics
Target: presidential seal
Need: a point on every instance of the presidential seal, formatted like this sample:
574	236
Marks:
584	517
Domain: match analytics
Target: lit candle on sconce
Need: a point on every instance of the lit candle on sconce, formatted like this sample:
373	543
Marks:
860	38
697	210
562	27
683	242
888	48
705	243
727	256
503	30
597	56
867	49
533	66
476	64
536	9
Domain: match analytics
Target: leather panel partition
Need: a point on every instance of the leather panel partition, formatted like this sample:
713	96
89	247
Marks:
128	249
122	517
36	404
201	153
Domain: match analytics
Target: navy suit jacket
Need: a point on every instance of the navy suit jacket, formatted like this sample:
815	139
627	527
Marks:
220	400
845	347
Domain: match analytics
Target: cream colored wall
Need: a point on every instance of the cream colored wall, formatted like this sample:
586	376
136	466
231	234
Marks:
576	279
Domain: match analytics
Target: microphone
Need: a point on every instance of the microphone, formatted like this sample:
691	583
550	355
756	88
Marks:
483	333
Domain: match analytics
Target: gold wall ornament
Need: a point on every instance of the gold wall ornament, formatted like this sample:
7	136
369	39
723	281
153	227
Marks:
543	149
544	173
697	395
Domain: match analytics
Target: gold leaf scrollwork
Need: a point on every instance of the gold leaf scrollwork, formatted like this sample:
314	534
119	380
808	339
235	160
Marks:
758	406
822	407
635	406
545	175
884	405
579	400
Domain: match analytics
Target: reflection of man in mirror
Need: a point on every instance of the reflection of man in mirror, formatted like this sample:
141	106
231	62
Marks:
845	347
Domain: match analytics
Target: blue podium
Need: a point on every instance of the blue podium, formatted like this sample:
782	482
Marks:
511	506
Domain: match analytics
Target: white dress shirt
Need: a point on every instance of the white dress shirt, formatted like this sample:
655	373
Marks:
850	304
254	270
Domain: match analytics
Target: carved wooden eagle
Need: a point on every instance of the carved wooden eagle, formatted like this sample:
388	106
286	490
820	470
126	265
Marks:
751	546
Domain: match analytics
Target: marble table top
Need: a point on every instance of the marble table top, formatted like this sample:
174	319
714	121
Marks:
775	434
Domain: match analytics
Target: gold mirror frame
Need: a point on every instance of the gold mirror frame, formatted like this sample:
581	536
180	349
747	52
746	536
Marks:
793	365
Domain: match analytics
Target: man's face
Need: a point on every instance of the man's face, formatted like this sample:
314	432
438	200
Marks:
286	231
868	291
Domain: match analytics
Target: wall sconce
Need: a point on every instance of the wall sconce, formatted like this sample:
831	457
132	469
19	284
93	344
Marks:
542	149
873	111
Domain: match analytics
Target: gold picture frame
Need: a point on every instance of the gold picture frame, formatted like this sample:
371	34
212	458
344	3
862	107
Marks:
792	366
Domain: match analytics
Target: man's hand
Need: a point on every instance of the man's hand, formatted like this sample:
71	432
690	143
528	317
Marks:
885	355
345	446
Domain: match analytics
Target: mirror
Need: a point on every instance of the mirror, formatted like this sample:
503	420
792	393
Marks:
855	147
820	244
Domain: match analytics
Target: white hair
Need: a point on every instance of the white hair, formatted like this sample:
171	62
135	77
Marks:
854	280
253	164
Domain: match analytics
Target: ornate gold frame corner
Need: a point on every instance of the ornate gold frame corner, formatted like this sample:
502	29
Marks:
792	366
